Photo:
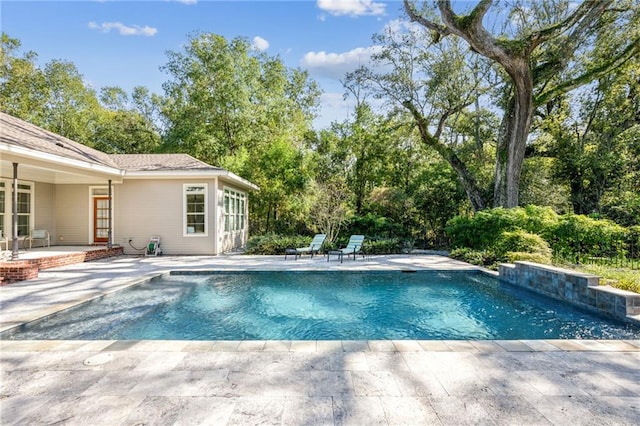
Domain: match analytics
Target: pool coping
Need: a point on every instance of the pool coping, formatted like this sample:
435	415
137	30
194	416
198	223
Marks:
325	346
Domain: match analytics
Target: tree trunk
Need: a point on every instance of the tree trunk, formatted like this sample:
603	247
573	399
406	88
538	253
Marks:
512	140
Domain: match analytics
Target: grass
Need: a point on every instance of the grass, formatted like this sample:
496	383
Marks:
615	276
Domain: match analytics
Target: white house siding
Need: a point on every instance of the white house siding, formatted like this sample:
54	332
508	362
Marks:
72	215
234	239
145	208
44	208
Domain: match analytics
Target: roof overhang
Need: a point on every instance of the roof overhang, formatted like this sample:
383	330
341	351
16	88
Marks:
192	174
49	168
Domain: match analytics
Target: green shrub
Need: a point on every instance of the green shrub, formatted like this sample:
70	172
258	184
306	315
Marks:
275	244
385	246
579	234
522	242
481	230
513	256
475	257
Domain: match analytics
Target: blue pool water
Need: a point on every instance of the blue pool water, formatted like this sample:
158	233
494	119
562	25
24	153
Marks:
326	305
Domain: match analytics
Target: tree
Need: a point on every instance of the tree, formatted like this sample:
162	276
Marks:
237	108
592	138
435	83
224	95
541	61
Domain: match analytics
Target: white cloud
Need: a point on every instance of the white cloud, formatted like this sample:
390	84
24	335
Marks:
187	1
123	29
352	7
260	44
335	65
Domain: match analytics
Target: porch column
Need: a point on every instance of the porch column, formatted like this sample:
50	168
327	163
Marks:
14	218
110	231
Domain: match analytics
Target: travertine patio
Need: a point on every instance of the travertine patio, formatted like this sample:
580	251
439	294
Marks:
298	382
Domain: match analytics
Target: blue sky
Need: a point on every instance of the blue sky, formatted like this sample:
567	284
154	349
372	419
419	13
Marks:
123	43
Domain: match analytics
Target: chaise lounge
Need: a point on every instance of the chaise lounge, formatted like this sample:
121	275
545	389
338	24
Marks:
314	247
354	246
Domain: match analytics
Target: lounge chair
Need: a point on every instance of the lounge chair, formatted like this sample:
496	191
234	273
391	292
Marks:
314	247
39	234
354	246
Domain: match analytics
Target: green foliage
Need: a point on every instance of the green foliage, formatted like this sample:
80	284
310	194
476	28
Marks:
506	234
519	241
482	229
475	257
578	234
383	246
514	256
375	227
625	279
273	244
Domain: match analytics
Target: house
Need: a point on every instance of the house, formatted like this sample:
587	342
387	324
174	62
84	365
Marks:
86	197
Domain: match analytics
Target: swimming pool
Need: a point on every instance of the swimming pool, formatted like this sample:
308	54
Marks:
325	306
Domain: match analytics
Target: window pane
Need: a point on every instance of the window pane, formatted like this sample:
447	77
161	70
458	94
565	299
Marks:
23	225
195	209
24	202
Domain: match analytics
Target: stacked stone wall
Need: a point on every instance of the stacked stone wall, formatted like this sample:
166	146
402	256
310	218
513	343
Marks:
579	289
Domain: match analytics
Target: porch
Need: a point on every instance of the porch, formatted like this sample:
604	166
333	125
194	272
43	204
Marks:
33	260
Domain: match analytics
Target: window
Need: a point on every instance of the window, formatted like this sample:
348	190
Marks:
234	210
24	209
195	209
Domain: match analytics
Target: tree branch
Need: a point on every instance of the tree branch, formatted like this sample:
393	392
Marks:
415	16
631	50
555	30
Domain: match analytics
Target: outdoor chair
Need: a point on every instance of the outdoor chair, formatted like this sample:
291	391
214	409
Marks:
354	246
314	247
39	235
4	240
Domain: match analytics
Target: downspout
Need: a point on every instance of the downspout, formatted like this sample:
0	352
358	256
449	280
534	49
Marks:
110	231
14	211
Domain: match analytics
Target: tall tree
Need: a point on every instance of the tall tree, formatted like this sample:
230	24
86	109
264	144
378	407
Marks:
224	95
436	83
232	106
541	60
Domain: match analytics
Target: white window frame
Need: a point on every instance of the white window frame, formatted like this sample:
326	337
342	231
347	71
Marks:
185	232
3	212
7	215
234	210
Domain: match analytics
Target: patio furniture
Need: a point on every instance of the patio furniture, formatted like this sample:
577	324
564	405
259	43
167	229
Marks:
4	240
354	246
39	235
314	247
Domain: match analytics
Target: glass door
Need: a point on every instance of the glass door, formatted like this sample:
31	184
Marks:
101	220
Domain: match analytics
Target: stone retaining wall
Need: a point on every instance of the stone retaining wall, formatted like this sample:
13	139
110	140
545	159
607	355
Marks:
579	289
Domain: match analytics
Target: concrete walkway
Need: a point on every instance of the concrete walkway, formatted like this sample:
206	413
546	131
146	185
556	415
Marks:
577	382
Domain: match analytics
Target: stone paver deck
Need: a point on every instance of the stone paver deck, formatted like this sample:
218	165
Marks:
577	382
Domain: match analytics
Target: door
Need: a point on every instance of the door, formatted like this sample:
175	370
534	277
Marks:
101	220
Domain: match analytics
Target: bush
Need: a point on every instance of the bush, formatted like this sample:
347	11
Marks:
578	234
475	257
378	227
386	246
275	244
482	230
514	256
522	242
